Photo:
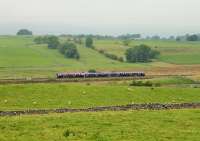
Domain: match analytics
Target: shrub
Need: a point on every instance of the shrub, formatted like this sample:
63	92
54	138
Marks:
111	56
121	59
141	83
101	51
92	71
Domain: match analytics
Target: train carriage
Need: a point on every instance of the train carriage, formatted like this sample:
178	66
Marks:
99	74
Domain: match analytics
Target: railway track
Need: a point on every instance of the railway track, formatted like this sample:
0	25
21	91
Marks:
150	106
55	80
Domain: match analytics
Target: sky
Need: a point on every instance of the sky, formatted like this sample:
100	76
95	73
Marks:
107	17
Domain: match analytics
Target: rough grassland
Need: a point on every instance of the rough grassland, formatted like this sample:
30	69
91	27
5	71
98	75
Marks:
37	96
176	125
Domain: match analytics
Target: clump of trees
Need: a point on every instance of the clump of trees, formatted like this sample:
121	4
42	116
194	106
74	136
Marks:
89	42
24	32
51	41
141	53
188	37
69	50
193	37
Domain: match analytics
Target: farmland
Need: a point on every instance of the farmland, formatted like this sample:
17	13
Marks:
20	57
171	51
80	95
105	126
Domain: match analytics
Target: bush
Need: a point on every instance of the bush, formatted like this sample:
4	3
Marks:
101	51
121	59
92	71
111	56
141	53
141	83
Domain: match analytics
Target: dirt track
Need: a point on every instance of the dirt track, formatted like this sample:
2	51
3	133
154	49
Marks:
151	106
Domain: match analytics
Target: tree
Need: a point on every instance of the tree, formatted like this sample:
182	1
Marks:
89	42
69	50
141	53
24	32
53	42
193	37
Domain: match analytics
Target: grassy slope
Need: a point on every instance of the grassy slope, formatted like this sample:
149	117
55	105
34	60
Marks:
176	125
81	95
19	57
171	51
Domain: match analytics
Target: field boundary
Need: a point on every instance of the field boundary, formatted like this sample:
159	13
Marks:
150	106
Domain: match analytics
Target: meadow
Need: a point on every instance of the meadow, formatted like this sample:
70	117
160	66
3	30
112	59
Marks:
83	95
173	125
20	57
171	51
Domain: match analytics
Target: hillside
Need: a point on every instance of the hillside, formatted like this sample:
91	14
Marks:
20	57
174	52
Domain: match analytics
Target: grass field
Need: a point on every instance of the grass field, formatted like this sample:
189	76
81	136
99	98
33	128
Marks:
171	51
20	57
81	95
176	125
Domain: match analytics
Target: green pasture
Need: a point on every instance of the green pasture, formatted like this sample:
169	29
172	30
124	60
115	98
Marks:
171	51
176	125
83	95
20	57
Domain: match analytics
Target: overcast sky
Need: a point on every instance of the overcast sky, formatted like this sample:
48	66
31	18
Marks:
162	17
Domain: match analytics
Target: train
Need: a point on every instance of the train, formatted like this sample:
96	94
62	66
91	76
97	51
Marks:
99	74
